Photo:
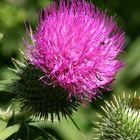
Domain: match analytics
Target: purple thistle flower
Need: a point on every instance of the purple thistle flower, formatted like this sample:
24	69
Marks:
76	46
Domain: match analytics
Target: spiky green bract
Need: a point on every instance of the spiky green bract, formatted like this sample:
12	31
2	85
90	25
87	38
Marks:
6	114
120	121
41	100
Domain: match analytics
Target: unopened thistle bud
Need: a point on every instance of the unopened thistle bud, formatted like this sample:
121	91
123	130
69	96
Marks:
121	120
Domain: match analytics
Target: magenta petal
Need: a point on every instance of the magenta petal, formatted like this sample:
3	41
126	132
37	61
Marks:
77	46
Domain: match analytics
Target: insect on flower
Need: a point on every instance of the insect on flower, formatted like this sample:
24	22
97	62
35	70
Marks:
76	45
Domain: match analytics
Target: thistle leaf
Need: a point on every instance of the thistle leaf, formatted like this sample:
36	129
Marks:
43	133
7	132
3	124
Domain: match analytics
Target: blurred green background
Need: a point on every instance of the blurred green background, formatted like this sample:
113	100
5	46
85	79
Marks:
13	14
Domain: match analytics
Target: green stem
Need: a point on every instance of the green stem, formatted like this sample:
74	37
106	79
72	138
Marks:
82	134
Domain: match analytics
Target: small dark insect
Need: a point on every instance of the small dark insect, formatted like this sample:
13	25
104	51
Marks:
98	77
102	43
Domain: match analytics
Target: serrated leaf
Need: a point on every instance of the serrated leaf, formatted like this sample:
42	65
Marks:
3	125
9	131
43	133
23	133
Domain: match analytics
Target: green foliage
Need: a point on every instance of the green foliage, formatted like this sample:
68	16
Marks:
31	132
5	129
16	125
9	131
129	77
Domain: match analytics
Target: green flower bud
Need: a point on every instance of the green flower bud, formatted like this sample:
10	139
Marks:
121	120
40	99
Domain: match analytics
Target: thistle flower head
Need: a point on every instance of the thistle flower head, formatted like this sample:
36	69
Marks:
76	45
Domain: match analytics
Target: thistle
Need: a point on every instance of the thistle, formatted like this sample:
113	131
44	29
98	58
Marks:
120	121
38	99
72	55
76	45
